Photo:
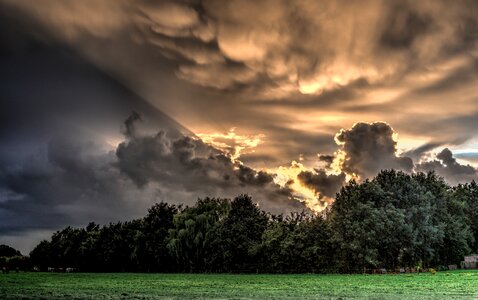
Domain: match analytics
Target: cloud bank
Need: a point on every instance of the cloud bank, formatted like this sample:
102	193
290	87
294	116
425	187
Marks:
366	149
446	166
187	163
73	179
325	65
275	48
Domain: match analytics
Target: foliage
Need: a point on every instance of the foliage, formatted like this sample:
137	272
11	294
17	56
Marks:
394	220
8	251
191	240
12	259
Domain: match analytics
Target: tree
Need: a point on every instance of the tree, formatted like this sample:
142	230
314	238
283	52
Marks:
353	218
154	254
41	255
393	220
465	205
450	214
297	243
386	222
421	204
191	241
8	251
240	236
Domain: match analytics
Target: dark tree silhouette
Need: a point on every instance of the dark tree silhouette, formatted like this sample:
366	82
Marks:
393	220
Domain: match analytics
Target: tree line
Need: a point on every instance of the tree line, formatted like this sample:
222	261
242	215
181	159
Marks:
393	220
12	259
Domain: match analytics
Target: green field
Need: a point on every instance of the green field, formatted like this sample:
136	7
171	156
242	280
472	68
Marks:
456	284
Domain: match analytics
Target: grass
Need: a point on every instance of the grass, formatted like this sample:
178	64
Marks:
445	285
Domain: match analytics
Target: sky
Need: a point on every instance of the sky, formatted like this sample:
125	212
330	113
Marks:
108	107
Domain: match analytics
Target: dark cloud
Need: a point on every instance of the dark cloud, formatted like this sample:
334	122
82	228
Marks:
68	181
187	163
446	166
249	176
72	180
328	159
322	182
417	153
369	148
403	26
59	122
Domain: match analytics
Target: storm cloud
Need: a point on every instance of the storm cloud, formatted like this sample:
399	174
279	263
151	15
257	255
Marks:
446	166
72	180
369	148
275	48
187	163
288	47
325	65
322	183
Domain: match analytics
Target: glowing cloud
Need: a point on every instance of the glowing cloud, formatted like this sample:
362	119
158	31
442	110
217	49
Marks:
288	177
232	143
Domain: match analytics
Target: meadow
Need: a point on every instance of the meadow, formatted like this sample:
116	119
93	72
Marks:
449	285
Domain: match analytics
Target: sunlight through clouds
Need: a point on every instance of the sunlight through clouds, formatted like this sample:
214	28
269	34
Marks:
233	143
288	177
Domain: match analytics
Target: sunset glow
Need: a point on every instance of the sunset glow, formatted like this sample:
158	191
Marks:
287	177
232	143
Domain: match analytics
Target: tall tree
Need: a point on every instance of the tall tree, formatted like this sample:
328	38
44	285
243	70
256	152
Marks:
241	234
154	254
192	238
